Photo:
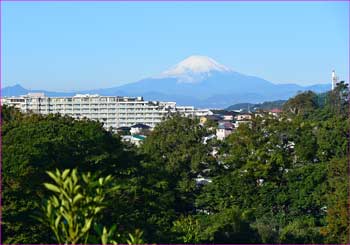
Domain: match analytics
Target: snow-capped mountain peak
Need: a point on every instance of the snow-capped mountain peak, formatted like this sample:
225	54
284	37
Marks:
194	68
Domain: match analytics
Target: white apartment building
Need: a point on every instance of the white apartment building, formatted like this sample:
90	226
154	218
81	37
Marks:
112	111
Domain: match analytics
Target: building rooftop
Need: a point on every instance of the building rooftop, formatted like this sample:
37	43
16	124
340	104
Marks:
214	117
225	125
140	125
123	128
139	137
276	110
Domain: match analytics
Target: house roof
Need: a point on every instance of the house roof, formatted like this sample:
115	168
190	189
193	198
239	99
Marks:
140	125
139	137
214	117
124	128
276	110
136	136
225	125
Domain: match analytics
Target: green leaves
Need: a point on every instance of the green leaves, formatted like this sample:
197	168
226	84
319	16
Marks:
52	187
268	183
337	227
53	176
57	222
277	169
75	202
136	237
65	174
173	155
302	104
77	198
104	237
188	229
33	144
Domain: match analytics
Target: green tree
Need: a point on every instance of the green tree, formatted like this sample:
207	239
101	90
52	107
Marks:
188	229
302	104
332	138
229	226
10	114
33	144
337	229
338	99
173	157
301	231
271	170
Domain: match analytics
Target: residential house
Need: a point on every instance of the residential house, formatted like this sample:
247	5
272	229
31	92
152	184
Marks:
275	112
224	129
140	128
134	139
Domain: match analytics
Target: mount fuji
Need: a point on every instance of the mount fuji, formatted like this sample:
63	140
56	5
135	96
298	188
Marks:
203	82
200	81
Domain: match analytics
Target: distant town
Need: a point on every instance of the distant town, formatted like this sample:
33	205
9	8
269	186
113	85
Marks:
134	117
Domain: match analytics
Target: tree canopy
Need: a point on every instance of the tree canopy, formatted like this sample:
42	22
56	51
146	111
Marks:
275	180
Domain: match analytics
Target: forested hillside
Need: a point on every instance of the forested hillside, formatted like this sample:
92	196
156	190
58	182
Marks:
268	105
278	180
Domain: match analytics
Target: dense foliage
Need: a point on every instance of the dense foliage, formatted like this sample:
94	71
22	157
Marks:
34	144
267	105
74	205
277	180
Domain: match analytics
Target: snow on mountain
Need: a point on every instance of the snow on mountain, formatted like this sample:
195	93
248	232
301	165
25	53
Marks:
194	69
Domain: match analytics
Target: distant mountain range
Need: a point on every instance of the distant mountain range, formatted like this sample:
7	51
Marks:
198	81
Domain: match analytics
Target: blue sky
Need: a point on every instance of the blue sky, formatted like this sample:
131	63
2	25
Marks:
85	45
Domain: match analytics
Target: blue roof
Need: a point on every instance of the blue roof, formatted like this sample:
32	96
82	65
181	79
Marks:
140	137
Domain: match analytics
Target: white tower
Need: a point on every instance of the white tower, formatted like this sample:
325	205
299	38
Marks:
334	80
